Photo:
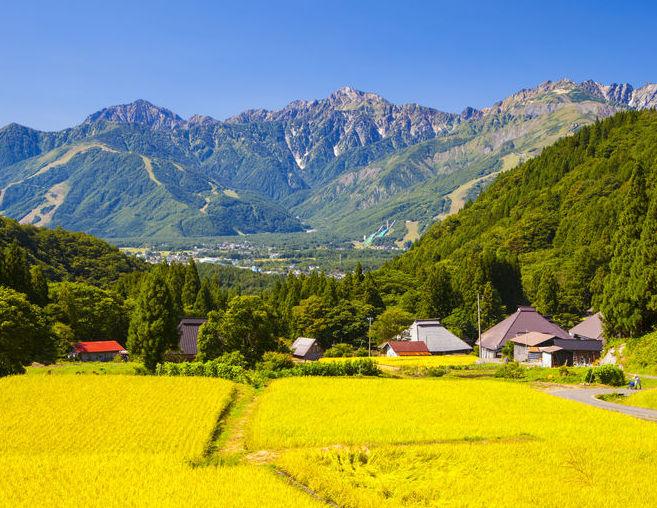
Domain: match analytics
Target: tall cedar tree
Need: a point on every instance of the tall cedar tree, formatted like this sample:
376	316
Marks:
620	307
153	327
16	268
191	286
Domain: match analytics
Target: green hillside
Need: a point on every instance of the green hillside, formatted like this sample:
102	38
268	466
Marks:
576	223
66	256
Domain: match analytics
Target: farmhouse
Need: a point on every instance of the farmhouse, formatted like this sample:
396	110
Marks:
590	328
405	348
307	349
552	351
524	320
98	351
188	329
438	339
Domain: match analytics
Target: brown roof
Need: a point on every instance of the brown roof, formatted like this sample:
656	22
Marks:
591	327
408	347
188	329
524	320
302	346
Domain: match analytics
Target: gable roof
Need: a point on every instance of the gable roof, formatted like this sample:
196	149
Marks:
591	327
100	346
408	347
532	338
302	345
438	338
524	320
188	329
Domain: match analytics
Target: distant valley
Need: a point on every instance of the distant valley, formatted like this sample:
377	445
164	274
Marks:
344	165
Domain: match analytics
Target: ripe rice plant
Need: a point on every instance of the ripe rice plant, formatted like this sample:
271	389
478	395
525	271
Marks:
416	361
121	441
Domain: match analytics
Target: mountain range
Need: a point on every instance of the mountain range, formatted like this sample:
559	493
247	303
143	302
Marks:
344	164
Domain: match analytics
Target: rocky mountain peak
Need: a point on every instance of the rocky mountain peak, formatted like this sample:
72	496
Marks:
139	111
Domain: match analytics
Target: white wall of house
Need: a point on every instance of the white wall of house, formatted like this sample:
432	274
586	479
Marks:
546	360
391	353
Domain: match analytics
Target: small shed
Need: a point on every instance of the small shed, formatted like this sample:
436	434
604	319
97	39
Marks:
526	347
405	348
188	329
438	339
98	351
307	349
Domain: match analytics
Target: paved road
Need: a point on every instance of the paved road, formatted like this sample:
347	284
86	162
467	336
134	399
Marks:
587	396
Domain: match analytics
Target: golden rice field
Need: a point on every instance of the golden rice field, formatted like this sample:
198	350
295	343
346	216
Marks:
417	361
646	398
425	442
121	441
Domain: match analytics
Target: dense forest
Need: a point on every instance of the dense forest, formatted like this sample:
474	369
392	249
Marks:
572	229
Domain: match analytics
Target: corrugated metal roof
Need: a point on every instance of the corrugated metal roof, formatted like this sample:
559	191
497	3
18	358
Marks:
188	329
302	345
402	347
524	320
439	339
573	345
591	327
100	346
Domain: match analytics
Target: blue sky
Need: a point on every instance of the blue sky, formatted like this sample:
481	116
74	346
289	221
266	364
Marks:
60	61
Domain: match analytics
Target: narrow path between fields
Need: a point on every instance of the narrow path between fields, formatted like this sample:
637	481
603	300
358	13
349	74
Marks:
588	396
229	445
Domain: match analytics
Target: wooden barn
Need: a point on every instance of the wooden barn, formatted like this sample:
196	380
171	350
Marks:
98	351
307	349
404	348
552	351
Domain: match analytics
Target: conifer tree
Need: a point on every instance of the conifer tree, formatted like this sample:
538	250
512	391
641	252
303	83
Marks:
191	286
619	304
153	327
437	294
547	295
203	303
39	286
16	268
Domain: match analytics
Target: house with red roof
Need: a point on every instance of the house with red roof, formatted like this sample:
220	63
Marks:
98	351
405	348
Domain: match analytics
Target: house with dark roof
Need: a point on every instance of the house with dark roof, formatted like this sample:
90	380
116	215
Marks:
552	351
524	320
438	339
590	328
188	330
98	351
307	349
405	348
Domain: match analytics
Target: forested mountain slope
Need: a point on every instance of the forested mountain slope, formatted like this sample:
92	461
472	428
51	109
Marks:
346	163
63	255
578	224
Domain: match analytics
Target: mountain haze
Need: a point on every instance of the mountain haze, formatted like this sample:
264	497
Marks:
348	162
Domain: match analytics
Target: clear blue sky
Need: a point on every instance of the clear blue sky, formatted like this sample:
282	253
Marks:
60	61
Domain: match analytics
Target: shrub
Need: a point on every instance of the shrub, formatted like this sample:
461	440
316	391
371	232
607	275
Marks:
340	351
511	370
275	361
362	352
605	374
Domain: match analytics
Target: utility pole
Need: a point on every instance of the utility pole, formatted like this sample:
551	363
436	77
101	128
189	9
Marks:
369	338
479	323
